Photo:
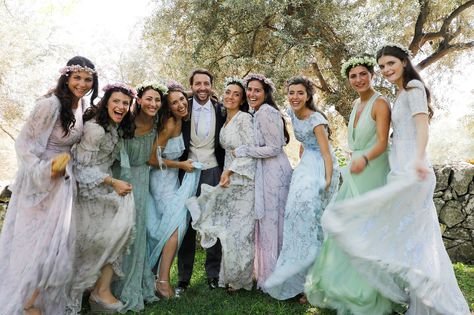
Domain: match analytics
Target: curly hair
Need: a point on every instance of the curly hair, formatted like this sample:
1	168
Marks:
65	96
101	115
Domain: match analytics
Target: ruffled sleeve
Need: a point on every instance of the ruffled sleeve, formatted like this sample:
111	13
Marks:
417	100
269	124
317	119
244	166
34	172
85	154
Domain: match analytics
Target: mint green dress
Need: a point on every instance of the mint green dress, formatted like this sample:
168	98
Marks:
138	284
333	282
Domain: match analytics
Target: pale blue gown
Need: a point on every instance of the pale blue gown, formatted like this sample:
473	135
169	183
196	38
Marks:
307	199
167	211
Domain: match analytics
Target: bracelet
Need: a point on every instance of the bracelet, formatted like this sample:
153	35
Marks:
111	181
366	160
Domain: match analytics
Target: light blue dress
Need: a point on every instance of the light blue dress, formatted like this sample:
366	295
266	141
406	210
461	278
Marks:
307	199
167	211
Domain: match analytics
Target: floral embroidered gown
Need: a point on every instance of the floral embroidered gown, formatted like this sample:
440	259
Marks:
104	219
272	181
391	234
307	199
37	240
333	282
228	213
138	284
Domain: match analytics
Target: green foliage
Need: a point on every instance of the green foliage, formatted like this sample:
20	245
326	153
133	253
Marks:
282	38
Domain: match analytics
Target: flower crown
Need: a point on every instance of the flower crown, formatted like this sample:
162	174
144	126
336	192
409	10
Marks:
73	68
399	46
233	80
154	85
356	61
128	88
174	85
259	77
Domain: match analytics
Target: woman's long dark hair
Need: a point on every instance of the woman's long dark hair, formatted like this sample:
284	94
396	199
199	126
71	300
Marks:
309	87
101	114
409	71
271	101
65	95
165	111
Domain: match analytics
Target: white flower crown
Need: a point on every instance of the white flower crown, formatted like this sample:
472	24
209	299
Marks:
73	68
230	80
356	61
399	46
154	85
259	77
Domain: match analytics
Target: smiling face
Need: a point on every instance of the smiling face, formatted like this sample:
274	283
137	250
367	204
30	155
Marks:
255	94
297	96
201	87
233	96
150	102
178	104
360	78
392	69
80	83
118	106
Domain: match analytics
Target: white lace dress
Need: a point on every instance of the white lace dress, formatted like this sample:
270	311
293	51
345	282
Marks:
228	213
104	219
392	234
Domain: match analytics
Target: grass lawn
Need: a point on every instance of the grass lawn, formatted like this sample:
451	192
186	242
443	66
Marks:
198	299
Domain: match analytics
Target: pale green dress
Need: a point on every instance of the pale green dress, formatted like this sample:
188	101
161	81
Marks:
333	282
137	285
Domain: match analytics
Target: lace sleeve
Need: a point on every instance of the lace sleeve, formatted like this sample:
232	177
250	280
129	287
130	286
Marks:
269	124
317	119
244	166
34	173
417	100
85	155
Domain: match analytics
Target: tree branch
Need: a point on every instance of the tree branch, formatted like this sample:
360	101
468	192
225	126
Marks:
442	51
323	84
8	133
419	36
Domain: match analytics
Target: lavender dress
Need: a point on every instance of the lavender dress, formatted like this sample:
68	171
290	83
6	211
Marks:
272	181
37	241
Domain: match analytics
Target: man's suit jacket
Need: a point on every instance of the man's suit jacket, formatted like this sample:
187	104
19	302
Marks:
186	130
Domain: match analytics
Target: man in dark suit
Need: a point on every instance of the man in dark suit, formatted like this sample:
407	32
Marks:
201	139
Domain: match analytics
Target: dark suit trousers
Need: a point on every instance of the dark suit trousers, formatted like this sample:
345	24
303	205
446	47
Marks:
187	249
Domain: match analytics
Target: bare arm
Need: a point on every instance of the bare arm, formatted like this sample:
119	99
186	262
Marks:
323	141
381	115
422	135
161	141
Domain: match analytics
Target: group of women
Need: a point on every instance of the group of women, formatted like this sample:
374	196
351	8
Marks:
370	246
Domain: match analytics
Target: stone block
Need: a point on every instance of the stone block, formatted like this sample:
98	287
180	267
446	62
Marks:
442	173
462	178
463	252
458	234
451	214
439	203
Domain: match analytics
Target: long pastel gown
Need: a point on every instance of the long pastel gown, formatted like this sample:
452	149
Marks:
166	210
272	181
228	213
138	284
392	235
333	282
307	199
37	241
105	220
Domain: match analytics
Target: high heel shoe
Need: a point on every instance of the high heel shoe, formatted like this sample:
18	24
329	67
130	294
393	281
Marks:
165	291
99	306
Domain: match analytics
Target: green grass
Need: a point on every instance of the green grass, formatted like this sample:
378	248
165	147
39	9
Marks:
198	299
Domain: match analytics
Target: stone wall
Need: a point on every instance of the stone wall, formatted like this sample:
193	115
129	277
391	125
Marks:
454	200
